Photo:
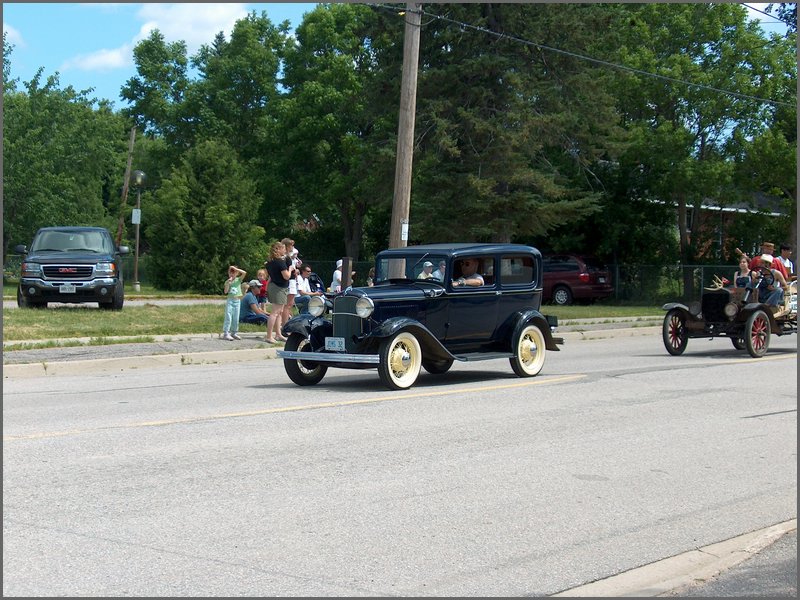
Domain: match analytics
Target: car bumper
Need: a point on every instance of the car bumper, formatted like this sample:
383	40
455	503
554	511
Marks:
367	359
96	290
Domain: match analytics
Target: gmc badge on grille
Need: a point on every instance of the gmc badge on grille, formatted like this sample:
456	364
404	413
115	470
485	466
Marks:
67	270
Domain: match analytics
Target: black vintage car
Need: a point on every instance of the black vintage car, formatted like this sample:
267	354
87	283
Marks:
419	315
732	312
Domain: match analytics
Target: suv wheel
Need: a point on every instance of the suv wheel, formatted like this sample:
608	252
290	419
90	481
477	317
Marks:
401	359
562	295
23	302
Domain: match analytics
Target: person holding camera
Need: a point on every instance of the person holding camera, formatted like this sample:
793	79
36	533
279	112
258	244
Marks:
280	272
293	262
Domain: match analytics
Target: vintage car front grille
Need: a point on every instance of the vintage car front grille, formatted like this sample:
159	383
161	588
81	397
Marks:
714	305
67	271
346	323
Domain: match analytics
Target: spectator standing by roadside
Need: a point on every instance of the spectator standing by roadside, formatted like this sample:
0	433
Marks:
371	277
277	290
336	281
785	258
250	311
304	291
261	275
293	262
233	292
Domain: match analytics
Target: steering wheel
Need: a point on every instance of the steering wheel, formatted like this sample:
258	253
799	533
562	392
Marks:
767	275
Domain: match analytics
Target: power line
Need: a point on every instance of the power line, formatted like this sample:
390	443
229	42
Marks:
593	60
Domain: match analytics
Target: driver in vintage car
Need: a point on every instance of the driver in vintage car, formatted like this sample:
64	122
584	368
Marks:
770	292
469	273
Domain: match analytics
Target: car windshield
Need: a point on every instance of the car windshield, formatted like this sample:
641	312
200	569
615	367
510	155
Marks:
411	266
61	241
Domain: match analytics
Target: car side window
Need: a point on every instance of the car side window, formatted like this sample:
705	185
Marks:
471	271
516	270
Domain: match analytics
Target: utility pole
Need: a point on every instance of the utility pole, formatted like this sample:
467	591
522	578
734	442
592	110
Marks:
398	233
121	225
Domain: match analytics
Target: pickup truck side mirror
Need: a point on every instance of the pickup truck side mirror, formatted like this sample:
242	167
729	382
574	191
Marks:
21	249
124	250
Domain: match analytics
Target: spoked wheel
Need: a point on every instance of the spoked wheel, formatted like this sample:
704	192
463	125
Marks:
437	367
401	359
300	371
674	332
738	343
757	333
529	354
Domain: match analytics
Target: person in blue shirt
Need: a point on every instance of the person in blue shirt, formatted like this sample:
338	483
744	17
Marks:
250	311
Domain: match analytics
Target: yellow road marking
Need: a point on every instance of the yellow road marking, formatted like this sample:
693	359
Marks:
284	409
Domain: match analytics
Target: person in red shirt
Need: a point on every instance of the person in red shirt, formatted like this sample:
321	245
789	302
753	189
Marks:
769	248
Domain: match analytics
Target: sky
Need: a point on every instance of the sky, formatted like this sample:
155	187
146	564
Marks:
91	45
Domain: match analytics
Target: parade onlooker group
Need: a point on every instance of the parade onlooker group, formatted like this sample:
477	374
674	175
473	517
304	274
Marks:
285	282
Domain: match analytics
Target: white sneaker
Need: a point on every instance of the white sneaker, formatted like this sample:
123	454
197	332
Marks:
235	336
227	336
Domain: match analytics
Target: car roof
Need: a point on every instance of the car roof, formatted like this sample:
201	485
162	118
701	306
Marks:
460	249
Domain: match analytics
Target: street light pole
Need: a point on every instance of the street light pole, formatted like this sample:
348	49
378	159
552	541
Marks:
138	180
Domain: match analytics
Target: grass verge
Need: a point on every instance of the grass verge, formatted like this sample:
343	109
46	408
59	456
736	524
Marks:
149	320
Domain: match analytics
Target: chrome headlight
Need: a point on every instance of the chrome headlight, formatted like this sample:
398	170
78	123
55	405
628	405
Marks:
364	307
105	268
731	309
31	269
316	306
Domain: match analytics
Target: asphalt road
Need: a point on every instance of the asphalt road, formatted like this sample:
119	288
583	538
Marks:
226	479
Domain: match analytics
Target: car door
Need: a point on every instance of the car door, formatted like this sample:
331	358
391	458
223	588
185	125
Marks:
472	311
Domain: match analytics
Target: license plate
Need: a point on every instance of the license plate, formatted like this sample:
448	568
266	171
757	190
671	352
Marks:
601	279
334	344
67	288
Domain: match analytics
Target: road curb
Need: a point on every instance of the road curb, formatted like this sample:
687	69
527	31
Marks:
683	570
111	365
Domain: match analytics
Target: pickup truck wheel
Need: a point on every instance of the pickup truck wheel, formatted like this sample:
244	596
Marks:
674	332
300	371
119	297
401	359
529	353
22	301
757	333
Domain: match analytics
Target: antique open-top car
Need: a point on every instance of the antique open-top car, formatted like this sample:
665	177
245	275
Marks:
733	312
415	317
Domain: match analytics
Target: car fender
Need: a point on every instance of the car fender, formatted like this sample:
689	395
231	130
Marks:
534	317
670	305
306	324
431	347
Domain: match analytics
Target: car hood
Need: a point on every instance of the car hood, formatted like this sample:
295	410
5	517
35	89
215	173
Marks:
69	257
397	292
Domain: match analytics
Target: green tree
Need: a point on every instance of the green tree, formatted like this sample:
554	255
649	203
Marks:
508	132
679	132
63	159
332	144
202	221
